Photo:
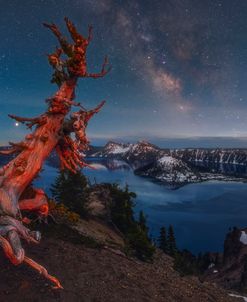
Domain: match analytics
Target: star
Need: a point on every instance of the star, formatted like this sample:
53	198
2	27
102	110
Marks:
174	60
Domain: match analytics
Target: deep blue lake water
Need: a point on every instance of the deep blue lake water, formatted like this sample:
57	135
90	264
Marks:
200	213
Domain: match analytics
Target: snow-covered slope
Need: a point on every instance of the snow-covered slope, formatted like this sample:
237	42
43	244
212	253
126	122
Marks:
149	160
145	149
137	155
142	154
178	165
112	149
170	170
222	156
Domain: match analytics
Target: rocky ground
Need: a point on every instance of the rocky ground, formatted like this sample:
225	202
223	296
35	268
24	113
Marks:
231	271
91	271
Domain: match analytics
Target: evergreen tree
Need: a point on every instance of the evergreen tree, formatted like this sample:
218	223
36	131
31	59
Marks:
139	241
71	190
143	222
122	213
162	240
185	263
171	246
136	232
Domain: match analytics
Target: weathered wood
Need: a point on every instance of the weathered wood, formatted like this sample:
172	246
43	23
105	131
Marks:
52	131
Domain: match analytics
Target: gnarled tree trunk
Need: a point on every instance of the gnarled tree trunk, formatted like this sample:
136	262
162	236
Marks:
52	131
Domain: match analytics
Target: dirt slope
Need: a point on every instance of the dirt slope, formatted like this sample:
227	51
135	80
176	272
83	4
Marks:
98	274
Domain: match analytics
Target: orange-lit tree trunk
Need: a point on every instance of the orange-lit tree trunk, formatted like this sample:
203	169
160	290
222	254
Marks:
52	131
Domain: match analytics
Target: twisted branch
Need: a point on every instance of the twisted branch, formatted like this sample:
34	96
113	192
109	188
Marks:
104	70
51	132
30	122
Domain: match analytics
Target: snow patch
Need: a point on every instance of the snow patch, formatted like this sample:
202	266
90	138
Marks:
168	160
98	166
119	150
243	237
238	296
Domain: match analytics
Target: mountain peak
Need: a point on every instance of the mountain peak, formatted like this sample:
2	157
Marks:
147	143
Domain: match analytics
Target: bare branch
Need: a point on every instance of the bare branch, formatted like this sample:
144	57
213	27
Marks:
20	145
73	31
103	72
90	33
53	27
66	47
43	272
64	162
15	148
30	122
8	151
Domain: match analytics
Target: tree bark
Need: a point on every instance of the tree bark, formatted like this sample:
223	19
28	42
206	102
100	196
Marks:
22	170
52	132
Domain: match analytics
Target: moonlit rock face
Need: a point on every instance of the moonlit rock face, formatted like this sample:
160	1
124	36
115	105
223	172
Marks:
243	237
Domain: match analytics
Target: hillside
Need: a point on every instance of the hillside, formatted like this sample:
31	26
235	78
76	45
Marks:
91	272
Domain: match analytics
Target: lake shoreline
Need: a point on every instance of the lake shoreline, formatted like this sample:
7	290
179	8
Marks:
201	212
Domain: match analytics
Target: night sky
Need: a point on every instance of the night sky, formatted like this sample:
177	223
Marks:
179	71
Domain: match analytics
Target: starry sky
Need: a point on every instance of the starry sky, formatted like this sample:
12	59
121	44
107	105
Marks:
178	78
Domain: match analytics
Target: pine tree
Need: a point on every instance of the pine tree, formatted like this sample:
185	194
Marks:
122	213
135	231
143	222
185	263
162	240
71	190
172	247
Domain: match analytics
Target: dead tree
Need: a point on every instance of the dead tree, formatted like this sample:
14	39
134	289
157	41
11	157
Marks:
53	130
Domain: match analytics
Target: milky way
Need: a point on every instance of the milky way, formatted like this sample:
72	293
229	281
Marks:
179	67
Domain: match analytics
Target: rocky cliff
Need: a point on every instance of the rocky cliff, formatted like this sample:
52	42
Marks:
231	271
